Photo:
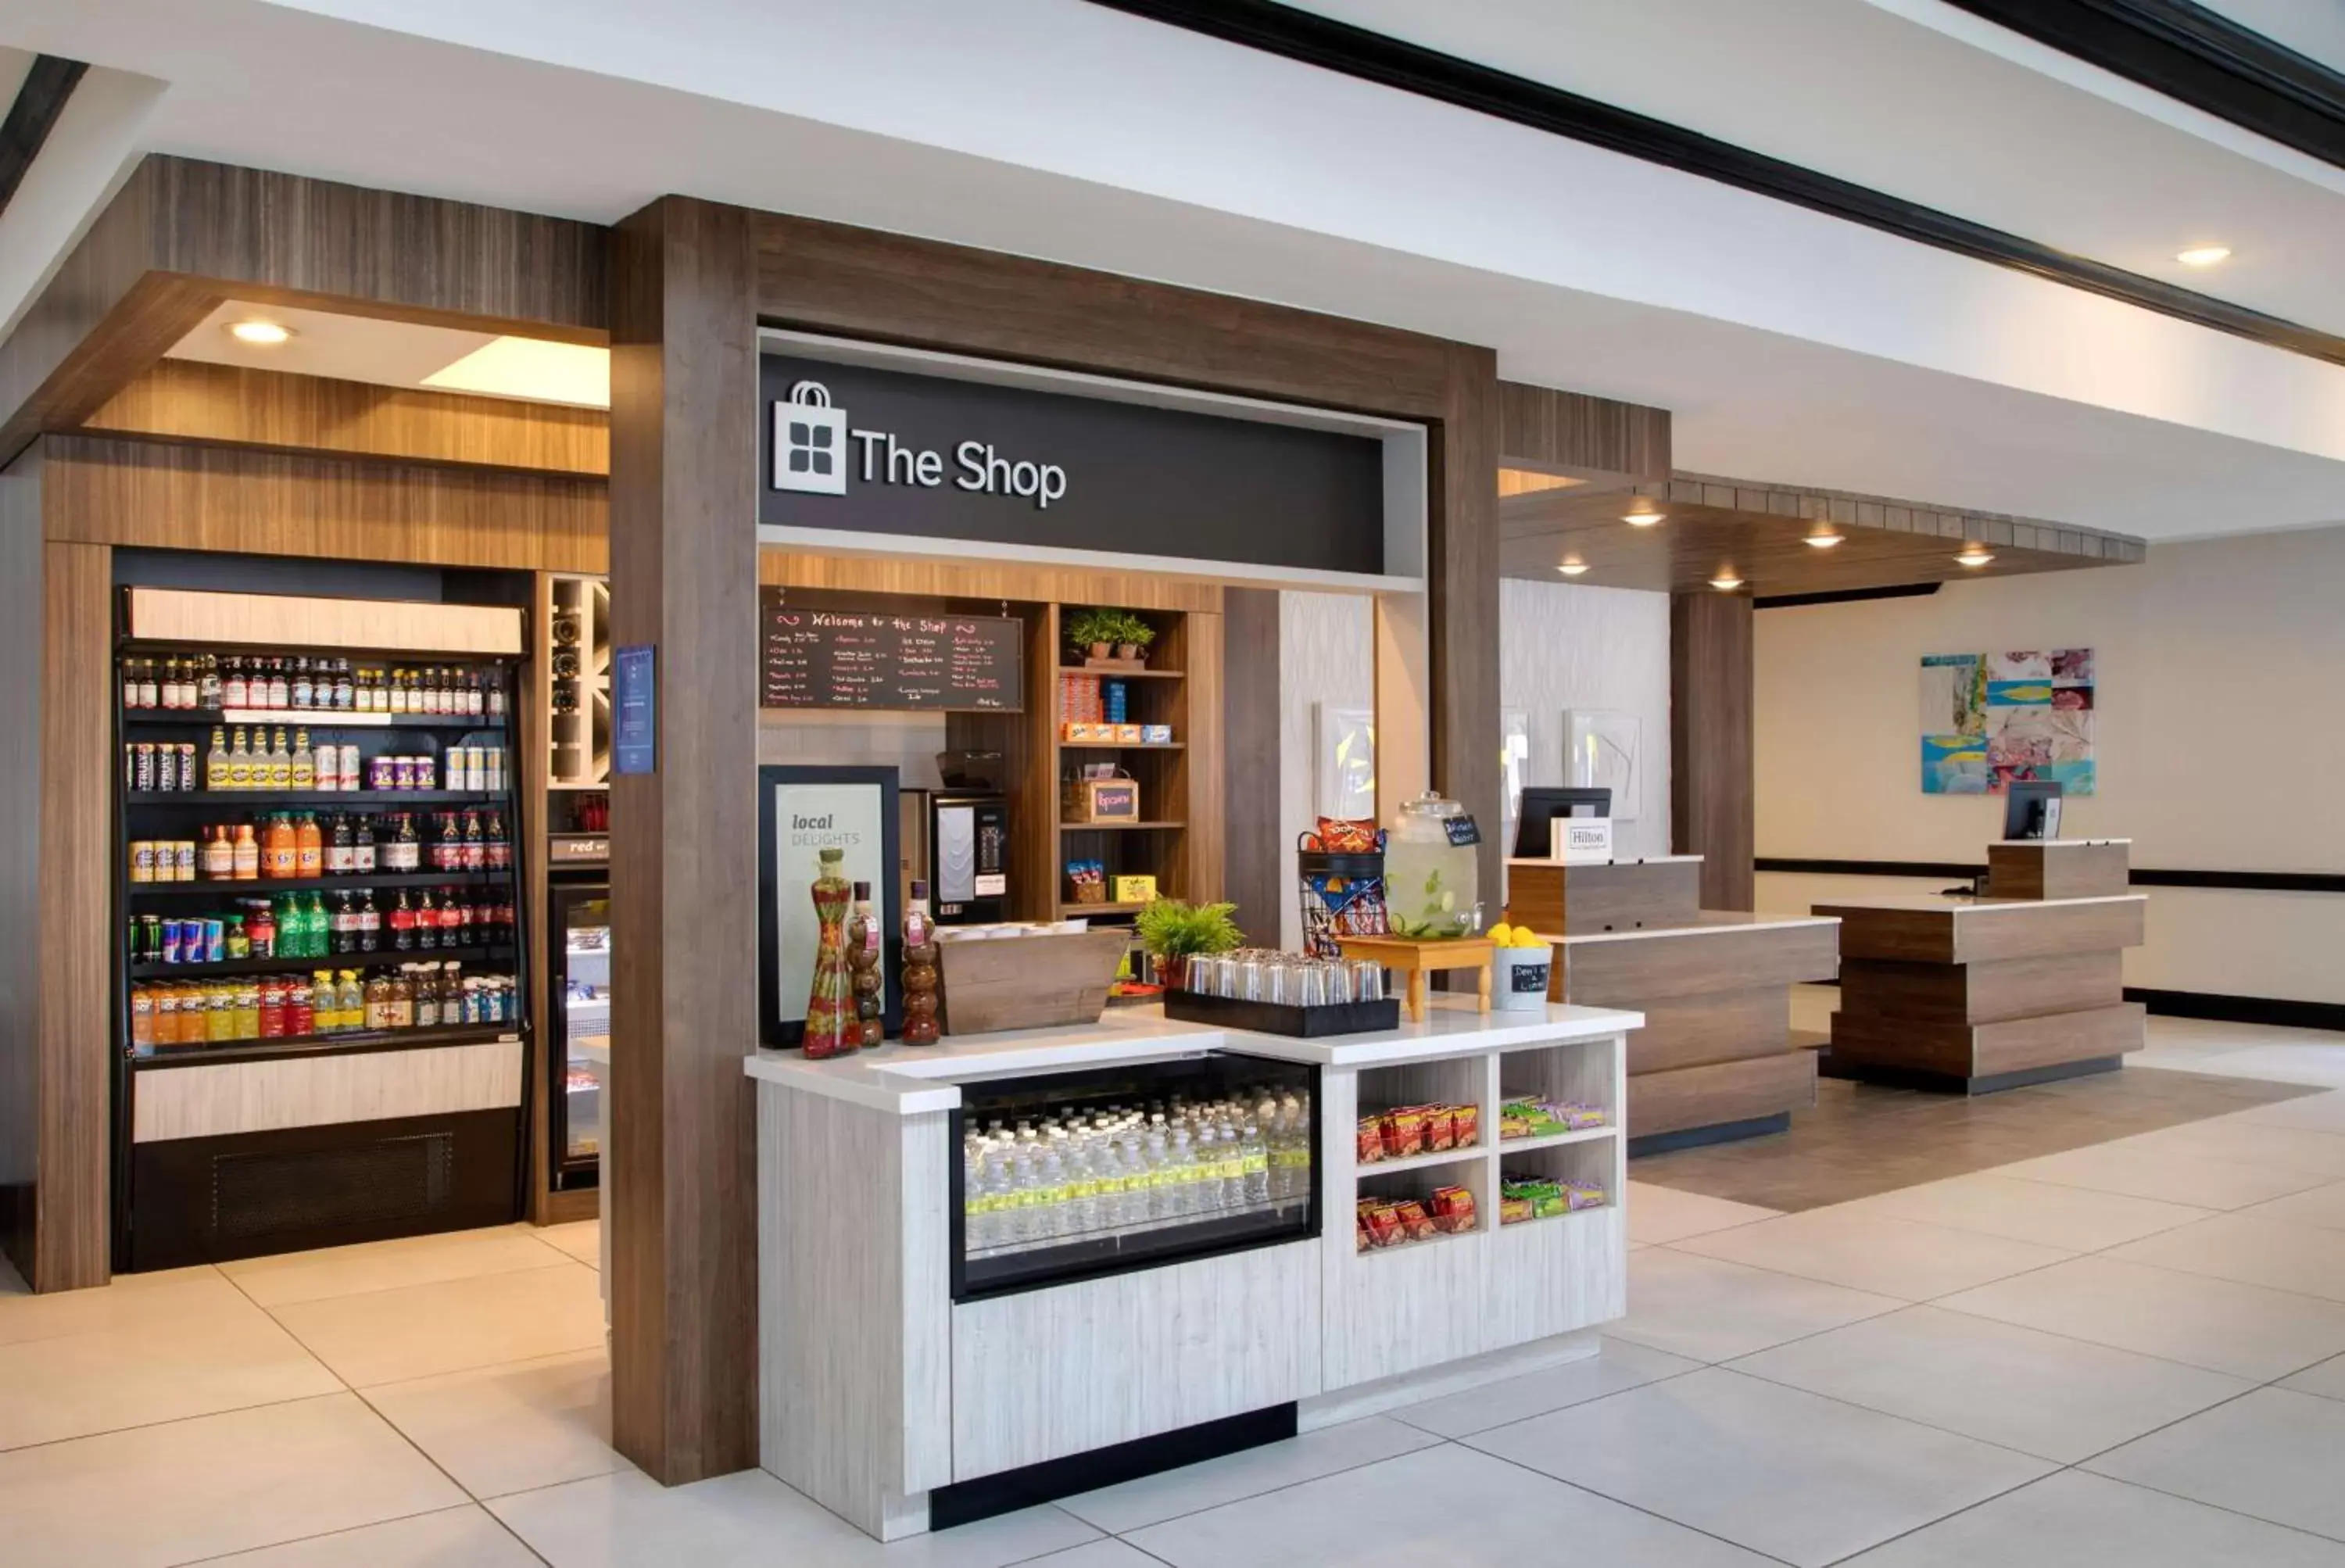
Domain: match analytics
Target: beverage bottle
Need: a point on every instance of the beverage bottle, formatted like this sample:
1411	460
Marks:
1025	1200
370	923
476	847
350	1001
219	861
447	854
167	692
345	925
219	1012
1253	1156
216	765
378	1002
247	1010
279	763
232	687
920	1026
402	924
396	691
406	848
279	848
308	847
239	763
130	683
150	685
304	775
493	703
427	920
281	688
272	1009
236	942
320	925
498	854
467	925
1158	1177
476	699
403	1001
300	1008
207	683
142	1019
427	997
260	930
303	687
976	1196
338	847
1051	1217
362	845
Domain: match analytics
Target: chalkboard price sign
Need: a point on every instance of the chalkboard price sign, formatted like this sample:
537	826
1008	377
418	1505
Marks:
866	659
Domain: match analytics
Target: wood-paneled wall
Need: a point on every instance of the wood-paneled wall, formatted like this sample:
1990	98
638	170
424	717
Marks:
1713	810
1462	600
168	495
20	603
1564	432
230	405
681	1270
1253	868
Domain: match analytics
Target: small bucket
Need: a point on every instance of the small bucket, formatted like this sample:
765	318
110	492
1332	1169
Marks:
1519	977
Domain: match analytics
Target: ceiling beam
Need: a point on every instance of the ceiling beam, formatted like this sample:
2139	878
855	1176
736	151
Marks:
40	99
1373	56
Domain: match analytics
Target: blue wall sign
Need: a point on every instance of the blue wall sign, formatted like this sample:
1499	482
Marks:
634	711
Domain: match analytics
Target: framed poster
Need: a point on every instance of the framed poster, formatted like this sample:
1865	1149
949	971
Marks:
800	813
1991	719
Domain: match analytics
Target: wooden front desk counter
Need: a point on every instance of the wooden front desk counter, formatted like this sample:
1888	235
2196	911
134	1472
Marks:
877	1389
1977	995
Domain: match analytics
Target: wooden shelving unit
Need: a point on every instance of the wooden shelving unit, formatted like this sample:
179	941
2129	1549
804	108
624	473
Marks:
1156	845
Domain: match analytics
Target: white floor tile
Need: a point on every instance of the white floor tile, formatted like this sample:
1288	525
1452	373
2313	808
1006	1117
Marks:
1621	1364
132	1302
2166	1176
1663	1214
2326	1379
1880	1253
216	1484
2321	1207
581	1239
2074	1520
465	1537
2054	1398
295	1277
1800	1478
2245	1331
1120	1510
11	1282
1443	1506
2299	1258
82	1384
1105	1553
2274	1453
2319	1112
513	1427
422	1331
2248	1143
626	1520
1714	1311
2076	1218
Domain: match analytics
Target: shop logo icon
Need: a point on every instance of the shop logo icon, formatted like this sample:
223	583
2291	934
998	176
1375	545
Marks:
810	442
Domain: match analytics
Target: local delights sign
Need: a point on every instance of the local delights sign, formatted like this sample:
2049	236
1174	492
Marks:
853	449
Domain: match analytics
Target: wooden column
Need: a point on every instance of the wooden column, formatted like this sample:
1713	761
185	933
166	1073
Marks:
683	579
1462	613
1711	812
1257	875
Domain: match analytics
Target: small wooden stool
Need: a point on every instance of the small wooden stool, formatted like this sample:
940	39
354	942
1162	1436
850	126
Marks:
1416	959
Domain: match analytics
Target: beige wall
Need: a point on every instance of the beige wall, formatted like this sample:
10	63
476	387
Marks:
2218	737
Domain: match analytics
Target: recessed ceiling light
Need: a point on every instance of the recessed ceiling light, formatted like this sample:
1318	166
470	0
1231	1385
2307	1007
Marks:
2203	255
1644	518
261	334
1726	582
1572	568
1821	541
1974	555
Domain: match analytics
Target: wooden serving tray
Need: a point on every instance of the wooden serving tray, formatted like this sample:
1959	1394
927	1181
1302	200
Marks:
1416	959
1026	982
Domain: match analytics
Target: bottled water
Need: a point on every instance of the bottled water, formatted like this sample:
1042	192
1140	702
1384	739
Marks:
1229	1148
1050	1197
1181	1160
1254	1159
1021	1203
1158	1177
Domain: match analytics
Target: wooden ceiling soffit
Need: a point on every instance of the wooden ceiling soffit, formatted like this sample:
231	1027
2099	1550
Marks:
1592	440
1713	527
183	235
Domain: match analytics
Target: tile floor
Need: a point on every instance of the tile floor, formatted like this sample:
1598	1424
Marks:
2132	1353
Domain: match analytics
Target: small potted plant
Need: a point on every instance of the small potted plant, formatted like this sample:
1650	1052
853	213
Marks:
1174	931
1093	631
1133	637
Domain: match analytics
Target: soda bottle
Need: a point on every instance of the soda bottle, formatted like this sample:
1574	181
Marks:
308	847
370	923
362	845
427	920
320	925
339	847
261	931
498	852
280	850
402	924
345	925
476	847
447	855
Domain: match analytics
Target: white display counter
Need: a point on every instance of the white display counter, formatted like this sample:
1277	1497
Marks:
878	1387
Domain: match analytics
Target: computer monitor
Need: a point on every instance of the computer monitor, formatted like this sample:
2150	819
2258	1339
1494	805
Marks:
2031	809
1542	804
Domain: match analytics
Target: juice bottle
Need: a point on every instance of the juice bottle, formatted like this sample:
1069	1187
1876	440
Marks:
272	1025
349	1000
326	1005
300	1009
142	1018
248	1011
308	847
279	848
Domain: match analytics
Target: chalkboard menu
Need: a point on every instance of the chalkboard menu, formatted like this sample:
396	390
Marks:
867	659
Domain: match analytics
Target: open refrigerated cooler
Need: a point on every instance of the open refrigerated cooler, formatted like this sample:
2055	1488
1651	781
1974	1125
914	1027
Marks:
578	991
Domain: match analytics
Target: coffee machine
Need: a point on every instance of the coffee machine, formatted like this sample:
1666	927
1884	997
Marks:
957	839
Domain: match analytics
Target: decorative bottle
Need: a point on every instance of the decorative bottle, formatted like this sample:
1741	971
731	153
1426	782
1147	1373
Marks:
919	970
863	961
831	1029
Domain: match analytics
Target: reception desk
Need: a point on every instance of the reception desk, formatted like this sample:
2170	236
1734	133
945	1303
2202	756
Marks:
1715	1059
1976	994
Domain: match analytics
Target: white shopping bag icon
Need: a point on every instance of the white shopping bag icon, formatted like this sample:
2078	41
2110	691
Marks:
810	442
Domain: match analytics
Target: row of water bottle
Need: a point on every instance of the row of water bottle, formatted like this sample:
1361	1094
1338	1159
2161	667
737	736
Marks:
1077	1175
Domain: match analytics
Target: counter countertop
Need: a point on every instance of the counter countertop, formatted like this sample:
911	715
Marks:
1960	903
1706	922
909	1079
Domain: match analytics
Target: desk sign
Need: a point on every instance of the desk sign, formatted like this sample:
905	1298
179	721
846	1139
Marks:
635	711
1581	840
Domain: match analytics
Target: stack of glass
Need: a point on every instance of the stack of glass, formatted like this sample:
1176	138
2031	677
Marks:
1082	1175
1259	974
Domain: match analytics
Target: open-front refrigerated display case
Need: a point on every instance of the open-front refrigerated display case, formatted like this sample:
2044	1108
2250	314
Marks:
320	977
1078	1175
578	989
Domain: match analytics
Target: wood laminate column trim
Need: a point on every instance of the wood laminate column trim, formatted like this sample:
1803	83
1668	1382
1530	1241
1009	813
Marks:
1254	873
1712	796
684	578
1462	618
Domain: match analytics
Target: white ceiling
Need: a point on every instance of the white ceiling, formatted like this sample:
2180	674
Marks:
1791	346
345	348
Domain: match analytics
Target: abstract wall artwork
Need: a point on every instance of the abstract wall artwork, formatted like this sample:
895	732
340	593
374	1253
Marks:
1606	749
1988	718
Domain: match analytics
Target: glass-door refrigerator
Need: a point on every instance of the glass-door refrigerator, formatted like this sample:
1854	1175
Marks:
579	992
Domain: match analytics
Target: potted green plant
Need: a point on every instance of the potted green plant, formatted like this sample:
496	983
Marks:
1093	631
1132	636
1174	931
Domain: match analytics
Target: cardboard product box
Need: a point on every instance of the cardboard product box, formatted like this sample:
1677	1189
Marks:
1134	890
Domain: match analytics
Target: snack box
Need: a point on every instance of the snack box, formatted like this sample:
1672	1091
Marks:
1156	735
1137	890
1127	734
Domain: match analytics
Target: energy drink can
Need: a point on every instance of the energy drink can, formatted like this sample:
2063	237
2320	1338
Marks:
147	945
383	773
175	938
183	860
403	772
142	861
215	941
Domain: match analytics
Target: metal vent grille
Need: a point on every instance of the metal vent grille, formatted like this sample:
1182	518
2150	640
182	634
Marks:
383	1182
